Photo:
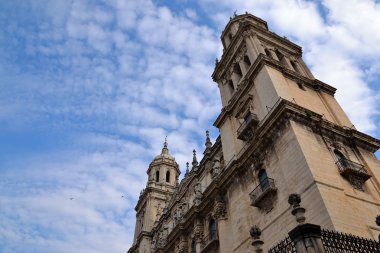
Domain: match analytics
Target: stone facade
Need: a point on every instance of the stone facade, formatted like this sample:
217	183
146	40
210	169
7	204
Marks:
281	132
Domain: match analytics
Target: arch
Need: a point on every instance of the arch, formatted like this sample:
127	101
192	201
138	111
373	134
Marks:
167	176
157	176
263	179
212	229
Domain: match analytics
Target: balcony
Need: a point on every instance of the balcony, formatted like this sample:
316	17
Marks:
247	128
210	242
261	196
356	173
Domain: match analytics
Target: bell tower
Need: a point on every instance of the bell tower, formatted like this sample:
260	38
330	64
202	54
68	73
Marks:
163	173
285	126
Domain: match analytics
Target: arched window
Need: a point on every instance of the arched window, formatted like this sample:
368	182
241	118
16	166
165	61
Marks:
168	177
212	229
193	246
157	176
263	179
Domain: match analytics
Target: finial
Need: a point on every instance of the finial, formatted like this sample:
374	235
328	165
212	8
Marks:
235	15
165	149
208	143
298	211
195	162
187	168
256	241
216	61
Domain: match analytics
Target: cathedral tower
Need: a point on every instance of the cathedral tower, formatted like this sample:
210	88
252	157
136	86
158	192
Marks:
283	138
163	173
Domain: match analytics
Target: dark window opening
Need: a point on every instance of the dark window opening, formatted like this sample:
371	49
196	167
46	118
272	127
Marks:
237	70
263	179
157	176
341	158
279	55
212	229
230	37
168	177
267	52
301	86
246	60
193	246
231	87
294	65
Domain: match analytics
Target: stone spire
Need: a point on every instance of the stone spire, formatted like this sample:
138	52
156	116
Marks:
208	143
187	168
195	162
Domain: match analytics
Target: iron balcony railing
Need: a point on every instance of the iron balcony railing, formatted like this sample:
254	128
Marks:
264	189
348	167
247	128
210	241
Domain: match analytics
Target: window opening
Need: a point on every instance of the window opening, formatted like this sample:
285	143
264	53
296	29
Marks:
168	177
193	246
267	52
263	179
246	60
212	229
157	176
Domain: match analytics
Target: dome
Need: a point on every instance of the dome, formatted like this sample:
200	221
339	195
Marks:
164	154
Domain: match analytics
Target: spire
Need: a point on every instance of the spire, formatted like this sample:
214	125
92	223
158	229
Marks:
187	168
165	149
208	143
195	162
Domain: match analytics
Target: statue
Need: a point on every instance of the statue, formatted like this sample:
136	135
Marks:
198	193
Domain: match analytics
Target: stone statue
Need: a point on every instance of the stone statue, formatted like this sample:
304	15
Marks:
198	193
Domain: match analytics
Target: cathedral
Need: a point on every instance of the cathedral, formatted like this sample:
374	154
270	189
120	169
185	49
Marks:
288	172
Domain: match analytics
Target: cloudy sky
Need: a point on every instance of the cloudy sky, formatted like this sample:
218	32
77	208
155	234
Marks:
89	89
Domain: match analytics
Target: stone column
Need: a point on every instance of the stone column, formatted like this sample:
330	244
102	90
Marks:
306	237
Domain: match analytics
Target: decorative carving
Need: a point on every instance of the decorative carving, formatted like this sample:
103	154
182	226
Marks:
219	211
216	167
198	230
198	193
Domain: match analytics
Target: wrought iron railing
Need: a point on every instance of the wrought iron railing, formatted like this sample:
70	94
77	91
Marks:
349	167
336	242
333	242
210	240
284	246
250	122
262	190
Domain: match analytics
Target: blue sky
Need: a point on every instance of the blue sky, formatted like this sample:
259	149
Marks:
89	89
